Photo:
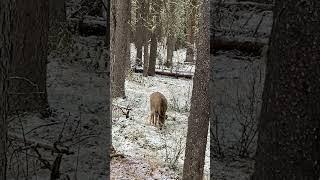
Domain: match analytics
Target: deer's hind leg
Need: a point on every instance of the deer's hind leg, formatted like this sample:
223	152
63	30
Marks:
152	120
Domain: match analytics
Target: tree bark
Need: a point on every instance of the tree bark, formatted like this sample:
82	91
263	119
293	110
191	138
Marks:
153	55
129	36
170	49
171	40
156	7
6	44
145	36
289	127
139	31
119	46
191	25
146	59
28	69
198	120
108	122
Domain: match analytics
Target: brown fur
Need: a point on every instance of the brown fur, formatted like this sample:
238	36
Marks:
158	106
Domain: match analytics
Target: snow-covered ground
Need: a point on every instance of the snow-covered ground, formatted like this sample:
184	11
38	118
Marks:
137	139
77	94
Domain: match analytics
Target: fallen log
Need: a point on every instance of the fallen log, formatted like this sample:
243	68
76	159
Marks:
171	74
244	32
249	47
244	4
89	26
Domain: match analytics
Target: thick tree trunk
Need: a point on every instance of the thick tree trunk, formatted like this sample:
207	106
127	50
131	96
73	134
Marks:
146	59
191	25
139	55
108	122
170	50
145	36
153	55
139	31
28	71
129	36
289	127
198	120
119	46
6	42
156	7
171	40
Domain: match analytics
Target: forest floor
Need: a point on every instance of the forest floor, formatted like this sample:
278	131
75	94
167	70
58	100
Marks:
77	98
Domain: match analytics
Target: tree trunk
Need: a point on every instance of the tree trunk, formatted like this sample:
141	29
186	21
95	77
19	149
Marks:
191	25
289	127
146	59
146	34
139	31
154	38
170	50
129	36
153	55
108	122
198	120
171	40
119	46
6	42
28	69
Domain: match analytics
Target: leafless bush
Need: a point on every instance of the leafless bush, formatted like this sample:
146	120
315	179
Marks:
216	143
234	126
173	151
29	153
248	108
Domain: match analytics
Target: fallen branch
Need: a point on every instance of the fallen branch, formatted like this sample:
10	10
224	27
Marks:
39	144
116	155
177	75
125	110
250	47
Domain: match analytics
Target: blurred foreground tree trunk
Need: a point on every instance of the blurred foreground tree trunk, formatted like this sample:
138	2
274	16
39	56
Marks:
171	39
198	121
28	69
289	127
6	44
108	122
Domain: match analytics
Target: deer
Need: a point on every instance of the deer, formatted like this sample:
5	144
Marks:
158	106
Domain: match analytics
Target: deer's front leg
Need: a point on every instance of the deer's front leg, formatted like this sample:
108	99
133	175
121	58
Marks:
152	118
